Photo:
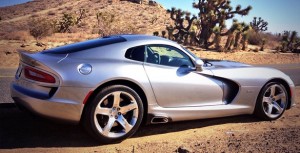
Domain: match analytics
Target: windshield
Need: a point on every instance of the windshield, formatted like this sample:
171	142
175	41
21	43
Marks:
189	52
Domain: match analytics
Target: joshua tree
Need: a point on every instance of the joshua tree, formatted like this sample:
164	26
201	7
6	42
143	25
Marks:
81	15
259	24
180	18
240	30
263	43
170	30
163	33
244	41
213	13
156	33
288	41
230	33
217	38
66	22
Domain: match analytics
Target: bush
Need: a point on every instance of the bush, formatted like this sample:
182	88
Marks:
40	27
254	38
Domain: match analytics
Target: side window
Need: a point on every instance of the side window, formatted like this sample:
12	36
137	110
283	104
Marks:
136	53
167	55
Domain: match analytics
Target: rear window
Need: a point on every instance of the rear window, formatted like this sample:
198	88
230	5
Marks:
71	48
136	53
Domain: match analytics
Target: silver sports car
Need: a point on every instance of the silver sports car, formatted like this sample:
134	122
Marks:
113	84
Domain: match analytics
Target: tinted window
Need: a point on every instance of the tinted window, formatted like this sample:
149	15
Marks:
71	48
136	53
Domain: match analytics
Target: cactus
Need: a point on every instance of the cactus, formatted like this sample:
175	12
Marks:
213	13
156	33
263	43
170	30
241	29
163	33
65	23
244	41
230	33
290	41
82	14
180	18
259	24
217	38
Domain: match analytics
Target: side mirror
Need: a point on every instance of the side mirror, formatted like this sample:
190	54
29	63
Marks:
199	65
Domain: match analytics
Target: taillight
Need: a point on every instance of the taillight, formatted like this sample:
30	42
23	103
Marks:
37	75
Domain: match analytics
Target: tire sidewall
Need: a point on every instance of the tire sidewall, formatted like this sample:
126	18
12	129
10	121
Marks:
259	110
91	127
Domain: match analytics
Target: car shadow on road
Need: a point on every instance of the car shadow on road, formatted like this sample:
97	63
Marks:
20	129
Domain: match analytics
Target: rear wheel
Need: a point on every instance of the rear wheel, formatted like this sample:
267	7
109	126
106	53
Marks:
115	114
272	101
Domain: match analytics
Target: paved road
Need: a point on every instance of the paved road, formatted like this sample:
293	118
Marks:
7	75
292	70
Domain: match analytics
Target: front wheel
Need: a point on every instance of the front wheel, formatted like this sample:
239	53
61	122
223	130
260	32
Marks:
114	114
272	101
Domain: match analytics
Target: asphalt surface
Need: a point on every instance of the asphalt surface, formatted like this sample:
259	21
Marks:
7	76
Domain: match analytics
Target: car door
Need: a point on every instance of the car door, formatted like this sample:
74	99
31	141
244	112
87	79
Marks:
175	82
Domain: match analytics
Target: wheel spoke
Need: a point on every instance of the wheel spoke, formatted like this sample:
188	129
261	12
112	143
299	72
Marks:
272	90
277	107
117	99
267	100
128	108
123	122
102	111
279	96
270	108
109	125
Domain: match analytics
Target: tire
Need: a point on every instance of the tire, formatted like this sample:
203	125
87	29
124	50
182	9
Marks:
114	114
271	102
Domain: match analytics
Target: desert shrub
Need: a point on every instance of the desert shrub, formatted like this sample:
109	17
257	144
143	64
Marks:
64	24
40	27
254	38
272	40
16	35
109	24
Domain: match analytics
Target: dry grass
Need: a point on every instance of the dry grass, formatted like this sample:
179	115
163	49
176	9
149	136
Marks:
17	35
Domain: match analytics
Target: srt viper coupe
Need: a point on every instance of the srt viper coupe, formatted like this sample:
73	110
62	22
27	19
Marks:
113	84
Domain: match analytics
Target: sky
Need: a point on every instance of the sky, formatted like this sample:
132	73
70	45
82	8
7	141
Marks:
11	2
280	14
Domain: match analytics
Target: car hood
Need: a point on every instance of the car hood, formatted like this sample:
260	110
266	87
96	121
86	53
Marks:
216	64
243	74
